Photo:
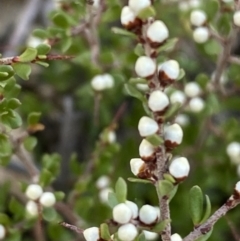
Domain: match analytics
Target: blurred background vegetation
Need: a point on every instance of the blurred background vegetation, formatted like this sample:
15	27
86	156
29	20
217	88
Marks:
74	116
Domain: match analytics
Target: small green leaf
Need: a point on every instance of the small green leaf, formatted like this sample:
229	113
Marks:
132	179
196	204
173	193
4	219
164	188
181	74
59	195
122	32
60	20
50	215
12	119
172	111
40	33
207	210
112	199
13	103
147	13
159	227
205	236
104	232
138	50
132	91
33	118
43	49
141	237
169	177
46	177
44	64
30	142
22	70
168	46
155	140
28	55
6	72
137	81
121	190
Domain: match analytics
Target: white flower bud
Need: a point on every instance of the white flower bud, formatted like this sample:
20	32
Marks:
145	67
34	191
158	101
146	150
157	33
178	97
148	214
233	149
2	232
111	137
196	104
122	213
237	187
173	135
194	3
136	165
127	16
168	71
34	41
109	81
91	234
134	208
179	168
102	182
176	237
236	18
138	5
32	208
103	194
201	35
96	4
47	199
98	83
127	232
150	235
147	126
198	18
182	120
192	89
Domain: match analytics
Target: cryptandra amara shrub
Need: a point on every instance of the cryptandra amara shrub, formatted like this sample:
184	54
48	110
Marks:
171	107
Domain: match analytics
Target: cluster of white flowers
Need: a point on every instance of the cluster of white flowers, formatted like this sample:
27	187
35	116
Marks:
103	184
36	195
102	82
123	215
198	19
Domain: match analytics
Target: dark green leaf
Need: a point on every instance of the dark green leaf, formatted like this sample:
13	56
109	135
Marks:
13	103
12	119
60	20
22	70
6	72
28	55
207	210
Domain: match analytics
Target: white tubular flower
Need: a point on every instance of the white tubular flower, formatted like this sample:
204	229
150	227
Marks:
98	83
102	182
176	237
150	235
192	89
146	150
168	72
198	18
103	194
136	165
236	18
127	17
148	214
134	208
145	67
157	33
147	126
127	232
47	199
201	35
233	149
178	97
32	208
91	234
173	135
158	101
34	191
196	104
109	81
179	168
182	120
138	5
122	213
2	231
